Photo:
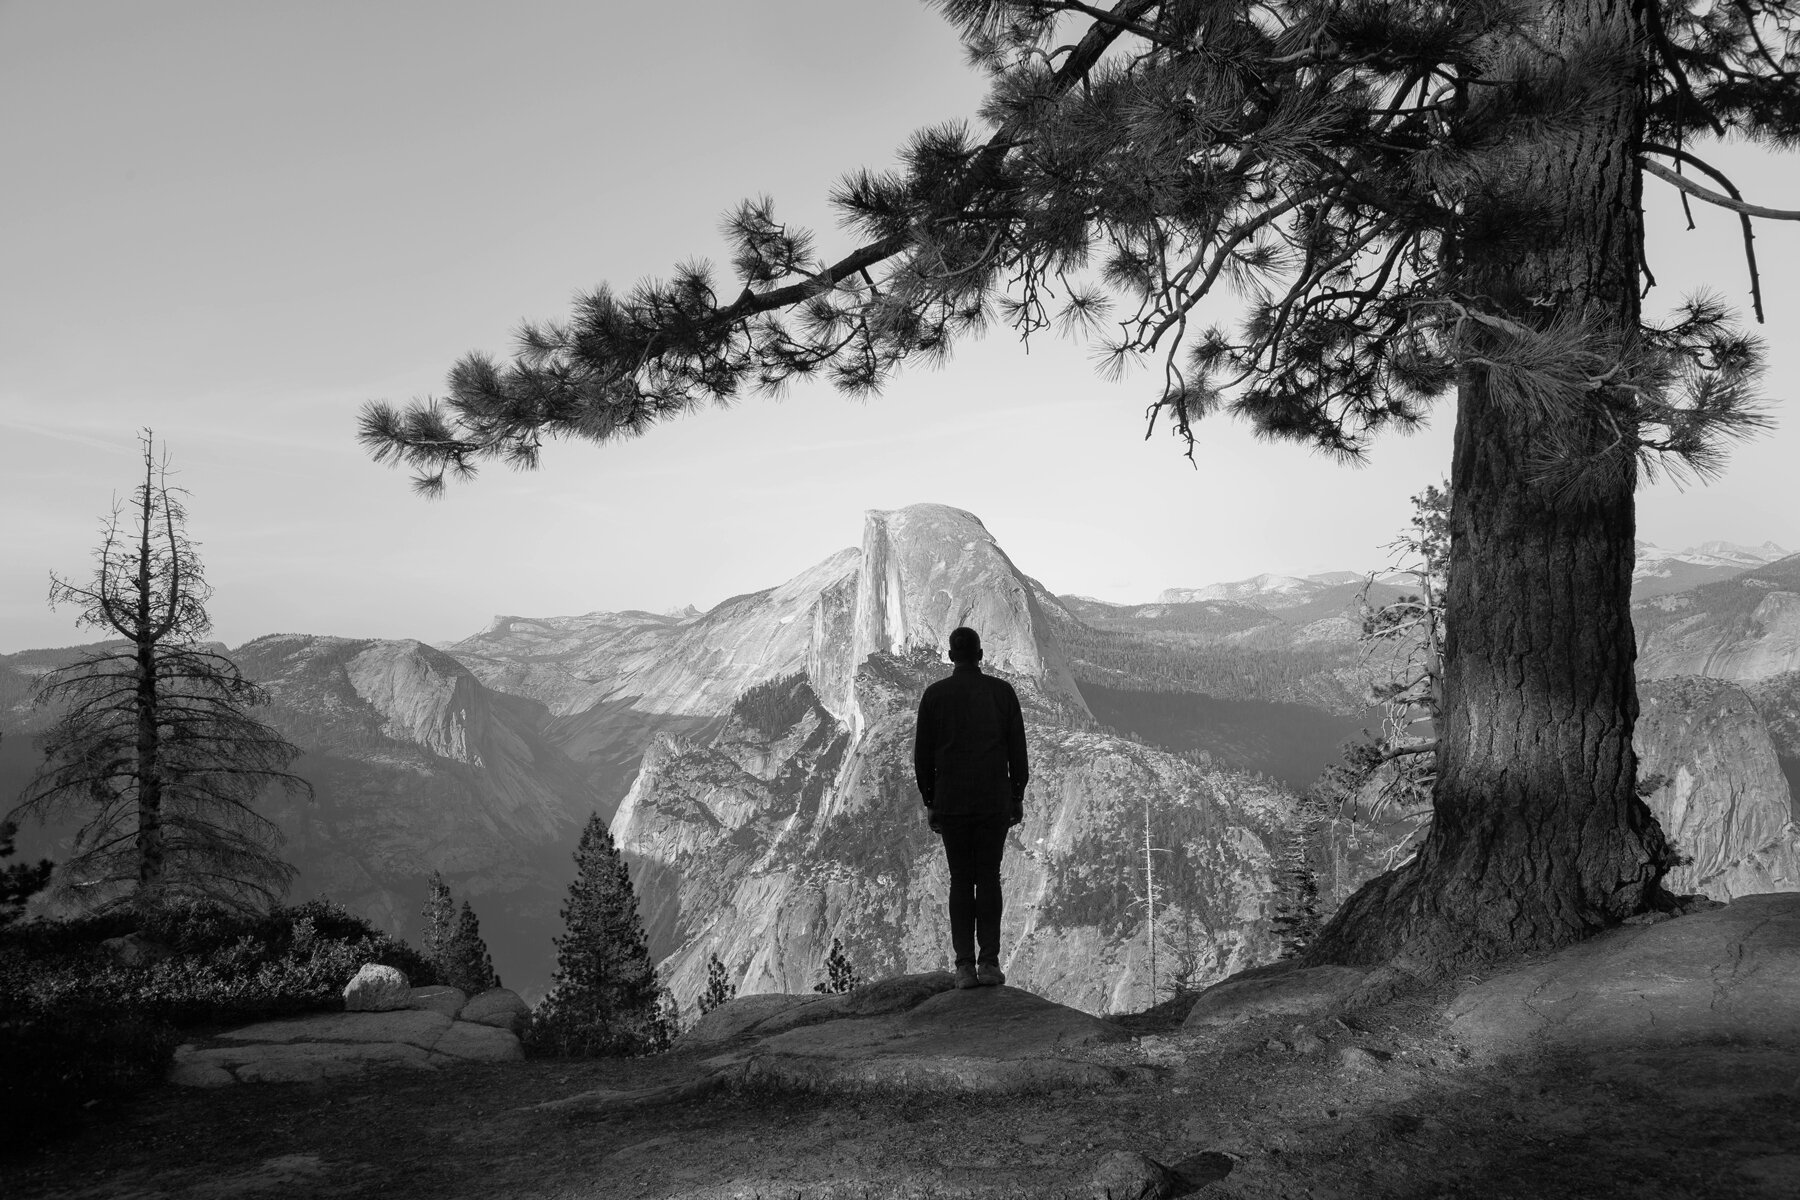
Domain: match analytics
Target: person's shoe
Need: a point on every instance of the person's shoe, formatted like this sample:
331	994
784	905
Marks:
988	975
965	976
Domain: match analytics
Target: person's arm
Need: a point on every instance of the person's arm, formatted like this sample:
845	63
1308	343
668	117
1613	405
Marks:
924	753
1018	769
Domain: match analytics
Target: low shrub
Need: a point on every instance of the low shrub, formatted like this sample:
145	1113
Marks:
60	1067
554	1032
220	967
81	1026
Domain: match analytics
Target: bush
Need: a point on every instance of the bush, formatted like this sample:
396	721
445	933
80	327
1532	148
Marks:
82	1027
558	1032
55	1068
222	966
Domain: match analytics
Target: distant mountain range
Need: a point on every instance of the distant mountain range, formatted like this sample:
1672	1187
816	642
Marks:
753	758
1657	573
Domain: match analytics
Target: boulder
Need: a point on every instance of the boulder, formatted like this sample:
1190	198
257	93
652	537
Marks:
1730	972
446	1000
377	989
499	1007
1287	992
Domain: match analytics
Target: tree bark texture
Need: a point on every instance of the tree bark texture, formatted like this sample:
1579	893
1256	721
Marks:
1538	837
150	834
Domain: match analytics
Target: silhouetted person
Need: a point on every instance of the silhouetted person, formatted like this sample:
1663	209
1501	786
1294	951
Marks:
969	758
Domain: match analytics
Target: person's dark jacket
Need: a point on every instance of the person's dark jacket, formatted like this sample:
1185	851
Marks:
969	751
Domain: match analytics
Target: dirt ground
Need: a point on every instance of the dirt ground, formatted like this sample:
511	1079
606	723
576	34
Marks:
1384	1104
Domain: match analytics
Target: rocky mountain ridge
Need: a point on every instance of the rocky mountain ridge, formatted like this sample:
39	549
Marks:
1657	572
482	757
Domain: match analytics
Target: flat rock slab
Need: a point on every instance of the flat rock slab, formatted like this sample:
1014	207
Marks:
306	1049
1731	972
415	1026
763	1015
986	1023
1299	992
913	1033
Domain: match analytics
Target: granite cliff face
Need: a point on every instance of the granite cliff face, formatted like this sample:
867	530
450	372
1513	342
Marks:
1744	628
615	682
929	568
684	665
418	767
798	822
1721	794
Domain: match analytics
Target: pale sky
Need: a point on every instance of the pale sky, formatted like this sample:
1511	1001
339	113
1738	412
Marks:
234	222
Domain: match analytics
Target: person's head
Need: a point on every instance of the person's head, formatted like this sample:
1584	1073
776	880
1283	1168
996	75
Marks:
965	645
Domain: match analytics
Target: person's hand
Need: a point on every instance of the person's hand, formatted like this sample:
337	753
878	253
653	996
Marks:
1018	813
932	820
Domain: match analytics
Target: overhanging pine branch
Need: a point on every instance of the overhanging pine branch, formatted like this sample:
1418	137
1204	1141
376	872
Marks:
1120	19
1711	197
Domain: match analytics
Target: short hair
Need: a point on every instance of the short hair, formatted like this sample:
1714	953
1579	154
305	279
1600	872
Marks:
965	645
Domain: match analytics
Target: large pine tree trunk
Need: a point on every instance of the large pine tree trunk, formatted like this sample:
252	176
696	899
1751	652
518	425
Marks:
1538	837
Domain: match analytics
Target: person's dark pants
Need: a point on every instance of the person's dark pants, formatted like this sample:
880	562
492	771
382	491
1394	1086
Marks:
973	846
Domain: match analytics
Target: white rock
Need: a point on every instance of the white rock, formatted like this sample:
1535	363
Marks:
377	989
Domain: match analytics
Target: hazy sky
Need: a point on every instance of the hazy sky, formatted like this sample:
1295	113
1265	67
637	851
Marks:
234	222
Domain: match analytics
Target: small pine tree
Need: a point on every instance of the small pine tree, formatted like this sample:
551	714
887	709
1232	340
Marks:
440	920
19	882
1297	911
719	989
840	976
604	997
1297	918
465	963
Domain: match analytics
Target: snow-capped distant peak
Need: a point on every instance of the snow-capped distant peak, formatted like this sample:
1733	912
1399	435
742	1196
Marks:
1240	589
1289	589
1707	554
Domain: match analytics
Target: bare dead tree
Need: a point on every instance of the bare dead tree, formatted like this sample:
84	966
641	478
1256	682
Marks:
152	744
